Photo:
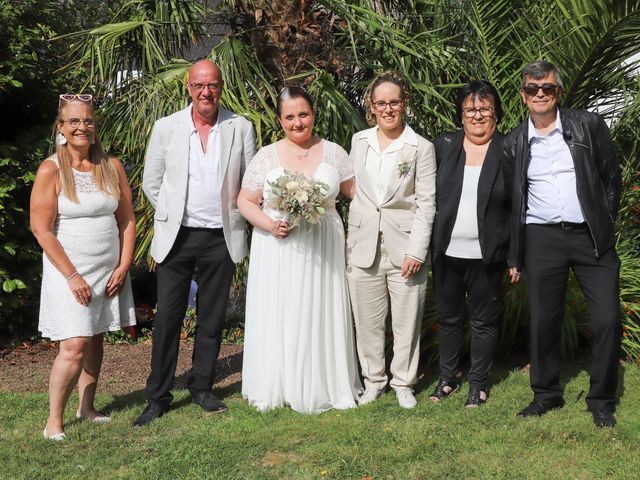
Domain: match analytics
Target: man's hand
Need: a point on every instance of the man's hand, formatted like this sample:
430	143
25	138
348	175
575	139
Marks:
514	274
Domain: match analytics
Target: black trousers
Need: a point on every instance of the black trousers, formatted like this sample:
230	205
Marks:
205	249
551	251
453	280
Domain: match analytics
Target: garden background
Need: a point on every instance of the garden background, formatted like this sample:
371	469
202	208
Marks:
132	55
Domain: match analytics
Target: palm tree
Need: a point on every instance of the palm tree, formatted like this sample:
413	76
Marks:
335	47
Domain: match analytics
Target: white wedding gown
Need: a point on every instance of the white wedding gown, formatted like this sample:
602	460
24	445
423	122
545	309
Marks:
299	341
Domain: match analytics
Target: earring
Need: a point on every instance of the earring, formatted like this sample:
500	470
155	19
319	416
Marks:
61	139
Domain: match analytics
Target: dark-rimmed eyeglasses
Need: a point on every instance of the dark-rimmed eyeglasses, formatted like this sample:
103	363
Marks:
70	97
198	87
483	111
531	89
382	106
75	122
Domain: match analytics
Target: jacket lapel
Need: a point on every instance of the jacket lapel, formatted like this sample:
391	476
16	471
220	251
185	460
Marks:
182	146
489	171
362	176
406	159
227	133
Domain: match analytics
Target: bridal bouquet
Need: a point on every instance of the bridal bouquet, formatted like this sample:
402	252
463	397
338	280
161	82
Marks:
299	197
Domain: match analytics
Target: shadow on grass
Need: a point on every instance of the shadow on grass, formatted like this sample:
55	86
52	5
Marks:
226	367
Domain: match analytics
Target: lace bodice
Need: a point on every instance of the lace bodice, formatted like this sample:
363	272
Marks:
267	160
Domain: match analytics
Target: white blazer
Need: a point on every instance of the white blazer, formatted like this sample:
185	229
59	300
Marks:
166	172
405	216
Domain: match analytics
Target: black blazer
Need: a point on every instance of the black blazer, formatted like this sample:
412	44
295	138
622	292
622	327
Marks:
493	204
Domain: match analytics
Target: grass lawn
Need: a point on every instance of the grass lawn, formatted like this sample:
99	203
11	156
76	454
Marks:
378	441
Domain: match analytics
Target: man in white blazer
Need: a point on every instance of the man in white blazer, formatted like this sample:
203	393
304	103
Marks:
390	221
193	169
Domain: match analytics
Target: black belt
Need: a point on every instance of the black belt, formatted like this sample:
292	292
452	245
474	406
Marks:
567	225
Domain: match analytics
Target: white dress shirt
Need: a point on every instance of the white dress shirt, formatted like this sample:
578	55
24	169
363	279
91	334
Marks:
381	166
552	195
465	241
202	208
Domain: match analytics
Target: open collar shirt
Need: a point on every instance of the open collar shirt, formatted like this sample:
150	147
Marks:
203	206
552	195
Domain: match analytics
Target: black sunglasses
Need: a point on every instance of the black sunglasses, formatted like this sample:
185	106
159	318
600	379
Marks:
531	89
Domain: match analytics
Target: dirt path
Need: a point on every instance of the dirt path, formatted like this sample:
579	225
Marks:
124	369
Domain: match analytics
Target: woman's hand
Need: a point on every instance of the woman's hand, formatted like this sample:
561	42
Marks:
80	289
279	229
116	282
410	266
514	275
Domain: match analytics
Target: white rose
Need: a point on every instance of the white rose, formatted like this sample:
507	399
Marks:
292	185
302	196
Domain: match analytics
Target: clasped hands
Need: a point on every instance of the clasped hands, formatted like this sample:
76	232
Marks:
279	228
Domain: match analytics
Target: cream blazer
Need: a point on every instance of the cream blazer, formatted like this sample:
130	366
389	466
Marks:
166	173
405	215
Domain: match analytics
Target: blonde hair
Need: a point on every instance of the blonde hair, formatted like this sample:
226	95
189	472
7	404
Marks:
104	171
391	77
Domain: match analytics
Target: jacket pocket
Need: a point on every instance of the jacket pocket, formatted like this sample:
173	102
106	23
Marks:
160	215
354	219
405	226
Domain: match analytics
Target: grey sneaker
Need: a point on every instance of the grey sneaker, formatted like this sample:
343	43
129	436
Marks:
405	397
369	395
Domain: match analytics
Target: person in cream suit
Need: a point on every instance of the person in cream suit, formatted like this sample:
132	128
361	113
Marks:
389	229
193	169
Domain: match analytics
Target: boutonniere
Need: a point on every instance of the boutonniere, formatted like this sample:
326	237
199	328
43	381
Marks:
403	169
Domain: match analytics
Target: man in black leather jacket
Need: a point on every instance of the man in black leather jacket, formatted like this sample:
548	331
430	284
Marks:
563	174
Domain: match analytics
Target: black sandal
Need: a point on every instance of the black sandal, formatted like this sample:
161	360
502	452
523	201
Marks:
475	398
440	393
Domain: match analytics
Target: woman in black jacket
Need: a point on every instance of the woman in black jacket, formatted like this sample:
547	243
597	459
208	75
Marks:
470	238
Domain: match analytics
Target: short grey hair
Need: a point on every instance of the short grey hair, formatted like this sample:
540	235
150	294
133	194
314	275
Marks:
538	70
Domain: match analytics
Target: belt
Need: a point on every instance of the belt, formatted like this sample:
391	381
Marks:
567	225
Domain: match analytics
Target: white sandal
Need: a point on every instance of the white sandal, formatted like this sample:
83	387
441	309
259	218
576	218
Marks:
58	437
99	418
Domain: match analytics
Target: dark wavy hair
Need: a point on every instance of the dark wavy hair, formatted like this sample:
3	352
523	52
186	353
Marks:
292	91
478	89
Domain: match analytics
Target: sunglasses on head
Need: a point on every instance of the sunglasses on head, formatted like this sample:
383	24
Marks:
69	97
531	89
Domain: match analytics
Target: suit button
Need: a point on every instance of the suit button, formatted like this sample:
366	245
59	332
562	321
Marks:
377	209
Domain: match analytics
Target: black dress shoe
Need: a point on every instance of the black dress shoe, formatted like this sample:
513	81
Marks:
152	412
537	408
208	402
603	418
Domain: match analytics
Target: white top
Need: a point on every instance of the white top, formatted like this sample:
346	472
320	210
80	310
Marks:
465	242
202	207
553	197
380	165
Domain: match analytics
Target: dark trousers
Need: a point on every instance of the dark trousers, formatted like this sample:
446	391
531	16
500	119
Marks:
205	249
453	280
551	251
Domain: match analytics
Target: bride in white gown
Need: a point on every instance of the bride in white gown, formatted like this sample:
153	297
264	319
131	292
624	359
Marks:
299	341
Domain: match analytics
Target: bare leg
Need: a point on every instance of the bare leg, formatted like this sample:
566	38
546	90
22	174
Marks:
89	377
63	378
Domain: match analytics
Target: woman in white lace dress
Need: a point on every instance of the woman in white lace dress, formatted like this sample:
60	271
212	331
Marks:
299	342
82	217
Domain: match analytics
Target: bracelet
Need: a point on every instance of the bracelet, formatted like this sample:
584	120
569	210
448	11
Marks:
71	276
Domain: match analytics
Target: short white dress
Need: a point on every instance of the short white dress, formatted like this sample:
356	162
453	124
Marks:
299	347
89	234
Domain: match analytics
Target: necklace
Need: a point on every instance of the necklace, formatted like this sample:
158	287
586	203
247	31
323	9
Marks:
305	152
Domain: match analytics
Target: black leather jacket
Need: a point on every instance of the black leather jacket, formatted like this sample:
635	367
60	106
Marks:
597	177
492	207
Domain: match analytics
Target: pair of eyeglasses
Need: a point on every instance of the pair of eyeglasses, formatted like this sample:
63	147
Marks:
483	111
382	106
198	87
70	97
75	122
531	89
